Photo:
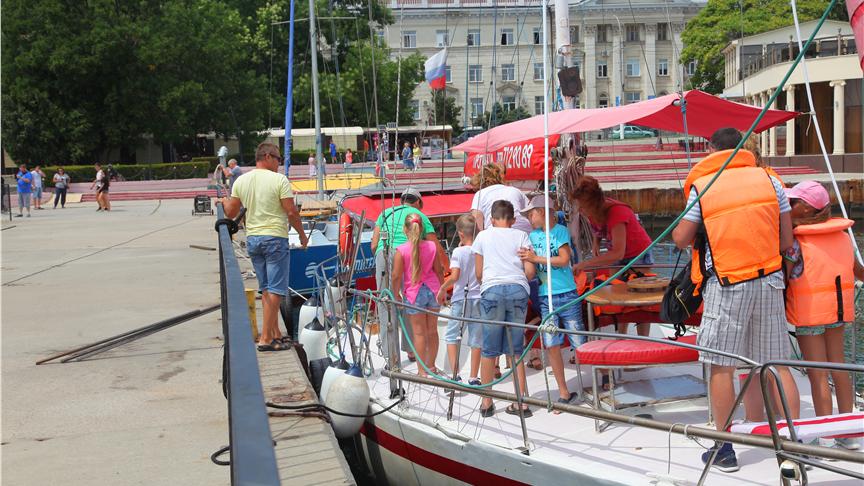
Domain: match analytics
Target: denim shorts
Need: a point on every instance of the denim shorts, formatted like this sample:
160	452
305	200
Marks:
816	330
425	299
37	192
23	199
270	259
473	330
570	319
507	303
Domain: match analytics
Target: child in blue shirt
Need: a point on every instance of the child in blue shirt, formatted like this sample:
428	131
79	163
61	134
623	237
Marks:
563	286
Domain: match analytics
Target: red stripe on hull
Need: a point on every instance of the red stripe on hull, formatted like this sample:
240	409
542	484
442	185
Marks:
440	464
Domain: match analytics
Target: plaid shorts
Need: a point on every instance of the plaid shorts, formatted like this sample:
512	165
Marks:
747	319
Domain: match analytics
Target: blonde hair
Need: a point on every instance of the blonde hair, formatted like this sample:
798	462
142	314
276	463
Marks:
488	175
751	145
414	231
467	225
820	216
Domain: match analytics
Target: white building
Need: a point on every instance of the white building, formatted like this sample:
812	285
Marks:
627	51
754	65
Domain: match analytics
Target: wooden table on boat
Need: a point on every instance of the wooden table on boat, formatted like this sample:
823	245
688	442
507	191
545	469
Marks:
620	295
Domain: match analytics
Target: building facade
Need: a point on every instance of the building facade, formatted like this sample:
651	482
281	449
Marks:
626	51
754	65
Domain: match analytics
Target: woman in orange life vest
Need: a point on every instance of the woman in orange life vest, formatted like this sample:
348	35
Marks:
615	223
821	268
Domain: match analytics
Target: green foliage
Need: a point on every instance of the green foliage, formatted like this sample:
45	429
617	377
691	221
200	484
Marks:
500	116
174	170
722	21
446	108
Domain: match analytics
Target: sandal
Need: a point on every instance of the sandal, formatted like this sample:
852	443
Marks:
604	382
513	409
497	372
412	358
565	401
487	412
573	359
536	363
275	345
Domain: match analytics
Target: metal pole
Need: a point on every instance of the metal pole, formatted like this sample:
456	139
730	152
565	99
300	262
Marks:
313	43
289	93
458	352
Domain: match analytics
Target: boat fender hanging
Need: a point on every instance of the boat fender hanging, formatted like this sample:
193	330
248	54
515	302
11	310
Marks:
313	337
309	311
346	239
330	374
317	369
349	393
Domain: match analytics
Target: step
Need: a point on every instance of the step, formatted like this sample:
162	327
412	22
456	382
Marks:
681	176
695	156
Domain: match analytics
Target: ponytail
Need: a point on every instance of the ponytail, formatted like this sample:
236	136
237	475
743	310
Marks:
414	231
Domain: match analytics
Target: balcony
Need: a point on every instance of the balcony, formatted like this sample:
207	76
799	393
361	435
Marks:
461	3
824	47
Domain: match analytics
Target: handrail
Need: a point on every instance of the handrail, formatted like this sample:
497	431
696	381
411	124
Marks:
253	459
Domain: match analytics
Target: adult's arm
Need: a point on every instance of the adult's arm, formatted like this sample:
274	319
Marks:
619	249
290	210
786	237
685	233
396	274
440	254
479	218
376	237
231	206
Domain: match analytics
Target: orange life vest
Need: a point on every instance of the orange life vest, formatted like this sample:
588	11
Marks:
741	199
824	293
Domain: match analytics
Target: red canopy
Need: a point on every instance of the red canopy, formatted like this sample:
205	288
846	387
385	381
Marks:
433	204
705	114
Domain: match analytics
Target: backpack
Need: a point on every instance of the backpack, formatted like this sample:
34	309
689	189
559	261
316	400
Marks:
683	297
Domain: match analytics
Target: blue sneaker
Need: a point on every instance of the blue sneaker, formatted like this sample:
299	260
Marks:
725	460
474	382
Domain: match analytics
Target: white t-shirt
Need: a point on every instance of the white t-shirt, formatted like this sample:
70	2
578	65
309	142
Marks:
484	198
501	263
463	259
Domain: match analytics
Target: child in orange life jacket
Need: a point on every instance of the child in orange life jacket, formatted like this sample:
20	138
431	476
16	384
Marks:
466	299
418	273
821	268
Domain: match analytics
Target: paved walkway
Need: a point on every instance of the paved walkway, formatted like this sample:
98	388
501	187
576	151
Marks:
150	412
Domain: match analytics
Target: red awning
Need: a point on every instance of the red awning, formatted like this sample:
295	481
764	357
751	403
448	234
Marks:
434	205
705	114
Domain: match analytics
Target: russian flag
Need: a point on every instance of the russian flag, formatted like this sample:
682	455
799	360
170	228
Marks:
436	70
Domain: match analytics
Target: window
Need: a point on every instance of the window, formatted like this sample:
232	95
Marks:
538	36
663	32
415	109
508	72
538	71
507	37
633	96
475	73
409	39
381	35
538	105
447	74
662	67
631	68
474	37
602	69
691	68
603	101
442	38
631	32
574	35
603	33
476	107
508	103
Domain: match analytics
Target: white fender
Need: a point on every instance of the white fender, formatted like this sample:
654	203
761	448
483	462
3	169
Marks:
313	337
308	311
333	371
349	393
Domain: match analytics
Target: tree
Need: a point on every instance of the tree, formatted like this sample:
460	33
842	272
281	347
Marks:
500	116
446	109
722	21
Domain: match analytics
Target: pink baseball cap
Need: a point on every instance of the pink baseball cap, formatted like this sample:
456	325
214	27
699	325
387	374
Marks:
811	192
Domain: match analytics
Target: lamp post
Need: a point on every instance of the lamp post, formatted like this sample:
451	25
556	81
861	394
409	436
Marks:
621	73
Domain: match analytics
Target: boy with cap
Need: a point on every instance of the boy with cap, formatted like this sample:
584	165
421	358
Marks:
557	281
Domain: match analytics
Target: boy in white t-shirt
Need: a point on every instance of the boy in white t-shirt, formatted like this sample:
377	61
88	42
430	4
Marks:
466	299
503	278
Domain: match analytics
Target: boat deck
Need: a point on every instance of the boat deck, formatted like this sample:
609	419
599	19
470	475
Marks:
623	454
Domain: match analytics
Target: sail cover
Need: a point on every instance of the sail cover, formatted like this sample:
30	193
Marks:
705	114
856	19
523	160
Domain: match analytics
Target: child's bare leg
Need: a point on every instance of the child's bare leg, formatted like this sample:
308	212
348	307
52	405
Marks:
418	325
431	340
487	371
475	362
557	364
451	356
842	381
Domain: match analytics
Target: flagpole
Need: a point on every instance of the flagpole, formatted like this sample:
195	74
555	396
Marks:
546	149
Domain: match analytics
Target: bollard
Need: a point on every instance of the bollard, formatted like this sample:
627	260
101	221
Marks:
253	314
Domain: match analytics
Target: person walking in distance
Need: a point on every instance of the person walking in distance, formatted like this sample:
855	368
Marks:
25	189
101	184
38	178
739	229
313	166
333	153
61	185
269	202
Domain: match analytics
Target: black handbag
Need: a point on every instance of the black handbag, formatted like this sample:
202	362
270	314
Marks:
683	297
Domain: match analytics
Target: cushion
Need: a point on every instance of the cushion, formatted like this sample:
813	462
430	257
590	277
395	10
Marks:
627	352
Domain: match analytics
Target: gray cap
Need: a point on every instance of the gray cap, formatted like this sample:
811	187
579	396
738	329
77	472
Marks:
537	201
411	191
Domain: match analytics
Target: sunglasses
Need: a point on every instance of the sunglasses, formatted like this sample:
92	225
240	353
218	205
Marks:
276	157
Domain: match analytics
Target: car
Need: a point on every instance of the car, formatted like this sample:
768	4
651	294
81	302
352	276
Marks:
632	131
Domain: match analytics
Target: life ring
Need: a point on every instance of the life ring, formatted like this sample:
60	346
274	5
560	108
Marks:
346	238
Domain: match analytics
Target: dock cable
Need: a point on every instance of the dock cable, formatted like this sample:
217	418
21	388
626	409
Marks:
215	455
320	406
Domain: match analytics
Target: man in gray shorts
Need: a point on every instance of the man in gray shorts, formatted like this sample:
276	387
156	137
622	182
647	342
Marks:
745	219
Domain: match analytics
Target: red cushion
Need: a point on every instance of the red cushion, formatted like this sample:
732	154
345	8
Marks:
625	352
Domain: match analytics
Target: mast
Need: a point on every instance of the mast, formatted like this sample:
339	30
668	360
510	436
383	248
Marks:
289	94
313	46
562	41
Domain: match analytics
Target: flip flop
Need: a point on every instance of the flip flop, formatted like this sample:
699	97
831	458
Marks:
536	363
497	372
487	412
275	345
412	358
513	409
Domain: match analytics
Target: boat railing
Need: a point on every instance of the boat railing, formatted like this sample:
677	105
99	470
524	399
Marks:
253	458
785	449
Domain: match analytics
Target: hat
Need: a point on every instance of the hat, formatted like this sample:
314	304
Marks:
536	202
811	192
411	191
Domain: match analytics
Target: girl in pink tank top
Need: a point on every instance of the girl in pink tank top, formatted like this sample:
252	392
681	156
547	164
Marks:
417	273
